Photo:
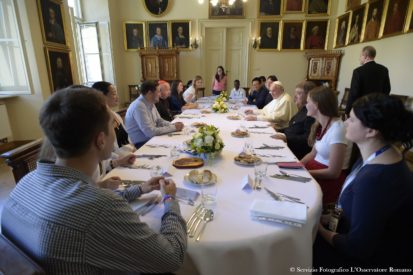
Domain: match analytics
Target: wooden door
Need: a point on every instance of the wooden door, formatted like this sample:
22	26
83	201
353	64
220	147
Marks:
215	55
235	56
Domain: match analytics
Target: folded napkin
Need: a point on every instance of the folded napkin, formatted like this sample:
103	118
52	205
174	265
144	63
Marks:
186	194
291	177
279	211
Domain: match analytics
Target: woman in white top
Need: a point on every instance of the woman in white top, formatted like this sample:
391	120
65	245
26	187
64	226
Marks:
237	92
331	151
279	111
190	93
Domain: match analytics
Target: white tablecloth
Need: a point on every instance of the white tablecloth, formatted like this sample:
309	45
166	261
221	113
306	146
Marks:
233	243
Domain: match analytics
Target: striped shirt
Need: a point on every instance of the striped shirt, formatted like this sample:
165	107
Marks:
69	226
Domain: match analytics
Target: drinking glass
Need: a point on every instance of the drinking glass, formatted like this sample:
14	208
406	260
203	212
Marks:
174	153
209	196
260	171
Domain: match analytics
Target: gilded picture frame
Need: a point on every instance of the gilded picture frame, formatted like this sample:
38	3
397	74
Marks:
375	16
356	29
396	13
341	31
157	8
352	4
292	35
270	8
59	67
236	10
314	71
158	39
409	23
52	23
293	6
180	37
318	7
316	34
269	38
134	35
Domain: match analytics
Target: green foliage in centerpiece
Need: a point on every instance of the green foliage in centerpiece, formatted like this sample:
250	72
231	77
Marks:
207	140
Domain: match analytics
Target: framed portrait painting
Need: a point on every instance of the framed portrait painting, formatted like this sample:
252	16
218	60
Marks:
51	18
352	4
410	27
318	7
269	35
293	6
316	32
374	19
134	35
59	68
356	25
292	32
340	35
396	14
156	7
269	8
315	68
158	35
222	11
329	68
181	32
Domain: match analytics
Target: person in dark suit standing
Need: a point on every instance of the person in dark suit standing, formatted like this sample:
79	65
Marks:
370	77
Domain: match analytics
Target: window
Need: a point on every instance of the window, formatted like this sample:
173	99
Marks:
92	45
13	69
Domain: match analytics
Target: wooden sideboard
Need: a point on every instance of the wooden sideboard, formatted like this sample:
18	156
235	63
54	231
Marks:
159	64
324	66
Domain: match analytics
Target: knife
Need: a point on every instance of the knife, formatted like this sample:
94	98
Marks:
279	198
150	156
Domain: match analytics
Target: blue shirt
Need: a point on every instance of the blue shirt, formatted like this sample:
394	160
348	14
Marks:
142	121
69	226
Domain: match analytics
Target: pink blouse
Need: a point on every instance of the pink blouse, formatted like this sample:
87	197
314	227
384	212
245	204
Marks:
220	86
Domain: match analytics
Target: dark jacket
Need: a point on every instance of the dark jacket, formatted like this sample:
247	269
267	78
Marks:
368	78
163	109
258	97
297	133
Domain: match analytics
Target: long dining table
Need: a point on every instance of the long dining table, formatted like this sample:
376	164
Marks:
234	243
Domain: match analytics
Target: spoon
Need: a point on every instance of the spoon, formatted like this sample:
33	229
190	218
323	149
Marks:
209	216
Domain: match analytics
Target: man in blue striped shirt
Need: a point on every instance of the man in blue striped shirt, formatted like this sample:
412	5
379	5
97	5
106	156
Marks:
68	225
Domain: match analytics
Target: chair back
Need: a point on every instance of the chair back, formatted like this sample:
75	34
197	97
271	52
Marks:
14	261
23	159
344	100
247	90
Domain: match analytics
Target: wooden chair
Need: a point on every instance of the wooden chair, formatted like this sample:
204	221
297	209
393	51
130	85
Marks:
14	261
247	90
343	103
23	159
200	92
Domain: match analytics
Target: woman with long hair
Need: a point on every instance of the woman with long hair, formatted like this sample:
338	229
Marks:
330	156
219	82
176	101
376	201
190	93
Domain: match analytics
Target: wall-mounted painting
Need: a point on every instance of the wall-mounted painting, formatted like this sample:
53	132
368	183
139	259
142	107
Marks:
395	17
315	68
181	32
352	4
134	35
269	8
316	34
329	68
158	34
293	6
410	28
59	68
269	32
292	35
374	18
156	7
53	28
318	7
222	10
356	25
342	24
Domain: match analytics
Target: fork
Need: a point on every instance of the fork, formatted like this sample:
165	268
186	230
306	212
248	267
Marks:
209	216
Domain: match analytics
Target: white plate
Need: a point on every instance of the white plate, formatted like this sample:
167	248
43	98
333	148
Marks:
191	183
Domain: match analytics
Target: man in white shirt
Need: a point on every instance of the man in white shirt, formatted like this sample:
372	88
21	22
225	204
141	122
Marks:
237	92
280	110
142	120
